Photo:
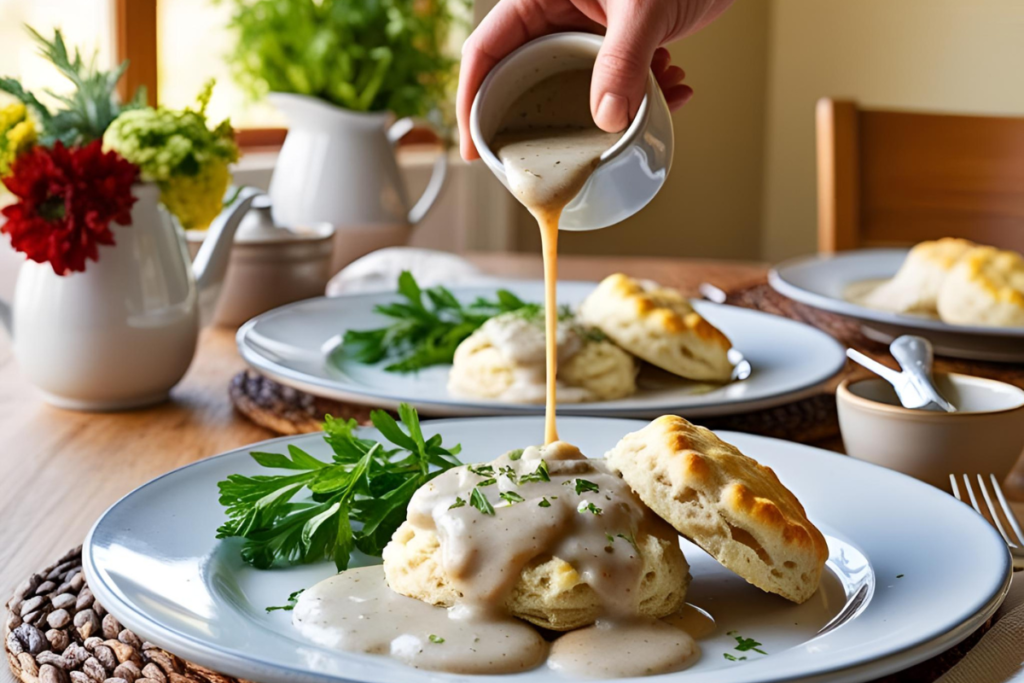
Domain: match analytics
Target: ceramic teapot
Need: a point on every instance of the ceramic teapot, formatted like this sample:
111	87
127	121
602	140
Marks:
338	166
123	332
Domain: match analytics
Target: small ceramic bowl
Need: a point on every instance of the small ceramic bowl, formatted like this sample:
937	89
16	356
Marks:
985	436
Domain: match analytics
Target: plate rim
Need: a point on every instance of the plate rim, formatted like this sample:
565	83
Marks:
228	661
334	389
777	279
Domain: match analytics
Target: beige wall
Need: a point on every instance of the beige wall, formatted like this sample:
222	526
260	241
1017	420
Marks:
963	56
711	204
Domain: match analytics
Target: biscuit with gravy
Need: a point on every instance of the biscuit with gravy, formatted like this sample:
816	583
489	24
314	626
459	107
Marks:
727	503
550	593
504	360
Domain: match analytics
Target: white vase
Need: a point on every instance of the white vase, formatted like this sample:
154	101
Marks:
122	333
338	166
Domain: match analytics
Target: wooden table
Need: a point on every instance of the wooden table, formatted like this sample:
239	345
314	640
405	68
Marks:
60	469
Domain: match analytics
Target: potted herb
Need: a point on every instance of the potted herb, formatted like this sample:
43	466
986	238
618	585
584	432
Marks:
342	71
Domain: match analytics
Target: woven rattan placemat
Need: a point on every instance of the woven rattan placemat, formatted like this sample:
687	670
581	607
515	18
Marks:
56	632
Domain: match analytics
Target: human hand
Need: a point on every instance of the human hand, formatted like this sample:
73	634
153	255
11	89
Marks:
634	32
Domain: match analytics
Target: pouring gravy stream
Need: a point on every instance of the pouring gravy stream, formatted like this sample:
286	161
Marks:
550	146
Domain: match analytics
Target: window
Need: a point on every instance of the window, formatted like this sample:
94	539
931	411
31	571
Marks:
174	47
192	40
86	24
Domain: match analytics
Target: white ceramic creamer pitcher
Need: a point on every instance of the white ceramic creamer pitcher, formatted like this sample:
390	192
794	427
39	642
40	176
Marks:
120	334
629	174
338	166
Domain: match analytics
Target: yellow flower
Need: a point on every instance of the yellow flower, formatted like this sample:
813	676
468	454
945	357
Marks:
17	134
197	199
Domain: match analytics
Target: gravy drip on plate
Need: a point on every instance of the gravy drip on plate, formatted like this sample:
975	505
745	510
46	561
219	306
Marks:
550	146
483	556
357	611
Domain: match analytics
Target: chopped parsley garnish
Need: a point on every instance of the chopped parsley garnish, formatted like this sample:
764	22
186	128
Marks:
435	639
291	602
631	540
516	454
582	486
589	507
478	500
544	503
745	644
481	470
488	482
733	658
507	471
326	509
459	502
539	474
511	497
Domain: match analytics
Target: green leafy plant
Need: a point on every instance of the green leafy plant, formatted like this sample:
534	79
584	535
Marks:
88	110
428	326
365	55
355	501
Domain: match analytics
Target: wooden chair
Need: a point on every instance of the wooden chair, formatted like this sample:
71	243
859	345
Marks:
890	178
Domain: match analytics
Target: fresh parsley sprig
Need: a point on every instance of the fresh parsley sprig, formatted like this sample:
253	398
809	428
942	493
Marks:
356	500
427	326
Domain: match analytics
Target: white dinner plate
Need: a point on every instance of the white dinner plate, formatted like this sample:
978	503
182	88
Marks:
297	345
823	281
911	571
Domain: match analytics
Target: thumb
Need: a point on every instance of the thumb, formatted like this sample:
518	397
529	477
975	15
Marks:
623	64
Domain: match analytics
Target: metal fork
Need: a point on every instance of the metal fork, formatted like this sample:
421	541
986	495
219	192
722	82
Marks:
1014	543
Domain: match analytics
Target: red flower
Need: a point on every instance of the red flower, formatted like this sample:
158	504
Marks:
67	199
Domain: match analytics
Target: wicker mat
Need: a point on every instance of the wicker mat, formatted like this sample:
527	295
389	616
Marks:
812	420
56	632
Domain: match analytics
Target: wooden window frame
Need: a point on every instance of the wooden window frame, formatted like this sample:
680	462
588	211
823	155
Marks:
135	39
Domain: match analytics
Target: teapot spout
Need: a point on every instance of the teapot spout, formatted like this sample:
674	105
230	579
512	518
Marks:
211	263
6	319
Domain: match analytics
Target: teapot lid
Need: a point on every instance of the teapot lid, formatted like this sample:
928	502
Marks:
258	227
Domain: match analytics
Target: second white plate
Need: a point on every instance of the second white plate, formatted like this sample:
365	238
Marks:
822	281
295	346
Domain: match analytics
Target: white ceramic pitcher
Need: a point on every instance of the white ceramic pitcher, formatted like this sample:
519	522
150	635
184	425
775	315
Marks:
120	334
338	166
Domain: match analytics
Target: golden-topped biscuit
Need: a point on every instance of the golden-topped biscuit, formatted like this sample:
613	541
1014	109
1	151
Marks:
985	287
660	326
727	503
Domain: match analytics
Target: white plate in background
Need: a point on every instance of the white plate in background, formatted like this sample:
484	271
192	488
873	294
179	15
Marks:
823	280
296	345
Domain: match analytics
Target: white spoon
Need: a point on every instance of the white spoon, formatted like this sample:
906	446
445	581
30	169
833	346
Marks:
914	385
